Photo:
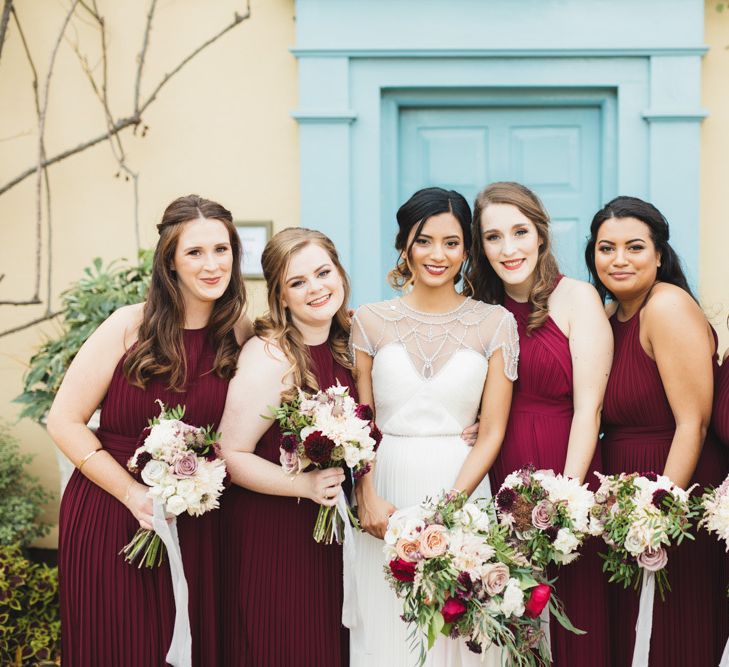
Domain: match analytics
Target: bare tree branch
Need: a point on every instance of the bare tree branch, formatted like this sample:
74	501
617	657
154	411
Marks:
143	54
4	19
27	302
133	120
27	325
40	165
237	19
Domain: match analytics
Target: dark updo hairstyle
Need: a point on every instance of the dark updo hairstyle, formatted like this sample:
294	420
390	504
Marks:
160	350
413	214
482	283
670	270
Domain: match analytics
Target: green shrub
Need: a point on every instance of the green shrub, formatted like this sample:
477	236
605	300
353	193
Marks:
21	496
85	305
30	624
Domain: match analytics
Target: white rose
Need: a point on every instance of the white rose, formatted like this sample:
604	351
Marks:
513	602
154	472
175	505
566	542
564	559
635	541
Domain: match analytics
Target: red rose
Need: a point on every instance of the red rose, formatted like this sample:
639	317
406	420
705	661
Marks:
318	448
453	609
537	600
402	570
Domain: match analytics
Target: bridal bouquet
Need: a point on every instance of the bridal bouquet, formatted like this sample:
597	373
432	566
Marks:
548	515
328	429
641	516
180	465
458	576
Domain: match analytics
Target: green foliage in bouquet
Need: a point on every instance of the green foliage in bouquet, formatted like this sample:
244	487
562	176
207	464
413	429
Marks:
30	624
22	498
85	305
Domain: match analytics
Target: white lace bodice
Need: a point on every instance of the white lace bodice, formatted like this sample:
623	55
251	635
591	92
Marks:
429	368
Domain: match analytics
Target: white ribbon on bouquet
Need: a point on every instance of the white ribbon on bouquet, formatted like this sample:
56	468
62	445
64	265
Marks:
725	656
180	651
351	615
644	624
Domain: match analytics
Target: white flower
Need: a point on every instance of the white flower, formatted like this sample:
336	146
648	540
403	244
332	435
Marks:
408	523
513	602
566	542
154	472
512	480
163	436
469	551
564	559
636	541
175	505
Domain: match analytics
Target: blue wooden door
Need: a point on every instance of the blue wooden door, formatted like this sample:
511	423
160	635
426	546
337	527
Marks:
556	151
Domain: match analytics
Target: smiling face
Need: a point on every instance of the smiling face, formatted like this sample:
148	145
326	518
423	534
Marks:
626	258
203	260
437	252
511	244
313	289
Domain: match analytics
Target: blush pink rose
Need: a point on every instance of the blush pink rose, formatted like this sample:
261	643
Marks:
433	541
495	576
653	559
289	462
186	466
542	514
408	550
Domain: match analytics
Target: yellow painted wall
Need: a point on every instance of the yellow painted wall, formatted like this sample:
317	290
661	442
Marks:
714	270
221	128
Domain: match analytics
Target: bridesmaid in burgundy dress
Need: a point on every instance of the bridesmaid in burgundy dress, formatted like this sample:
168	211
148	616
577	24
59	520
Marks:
282	592
656	417
179	347
566	352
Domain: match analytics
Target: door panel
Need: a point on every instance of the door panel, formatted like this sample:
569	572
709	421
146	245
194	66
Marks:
553	150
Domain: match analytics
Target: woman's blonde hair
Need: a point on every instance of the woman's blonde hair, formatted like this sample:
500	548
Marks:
483	283
277	327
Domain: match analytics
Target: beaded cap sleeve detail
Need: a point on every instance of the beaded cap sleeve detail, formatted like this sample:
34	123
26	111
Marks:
431	339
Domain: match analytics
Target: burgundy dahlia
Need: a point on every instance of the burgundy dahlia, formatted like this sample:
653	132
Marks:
474	646
361	472
650	476
659	499
289	443
466	584
376	435
505	499
364	412
143	459
551	533
318	448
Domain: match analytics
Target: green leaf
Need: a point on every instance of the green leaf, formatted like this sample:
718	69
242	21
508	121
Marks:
436	625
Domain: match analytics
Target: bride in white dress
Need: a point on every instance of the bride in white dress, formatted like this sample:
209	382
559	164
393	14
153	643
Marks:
426	363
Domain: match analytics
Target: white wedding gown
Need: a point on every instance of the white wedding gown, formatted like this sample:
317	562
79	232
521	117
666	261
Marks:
428	375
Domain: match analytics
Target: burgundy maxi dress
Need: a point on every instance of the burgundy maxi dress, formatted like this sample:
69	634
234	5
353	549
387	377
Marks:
282	592
689	628
720	416
112	613
538	433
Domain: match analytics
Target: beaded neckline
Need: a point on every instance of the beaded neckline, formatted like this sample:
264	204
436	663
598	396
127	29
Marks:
443	314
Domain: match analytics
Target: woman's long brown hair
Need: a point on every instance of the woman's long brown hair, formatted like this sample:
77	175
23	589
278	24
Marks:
482	282
160	349
277	327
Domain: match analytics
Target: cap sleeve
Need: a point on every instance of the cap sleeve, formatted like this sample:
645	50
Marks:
364	334
506	339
